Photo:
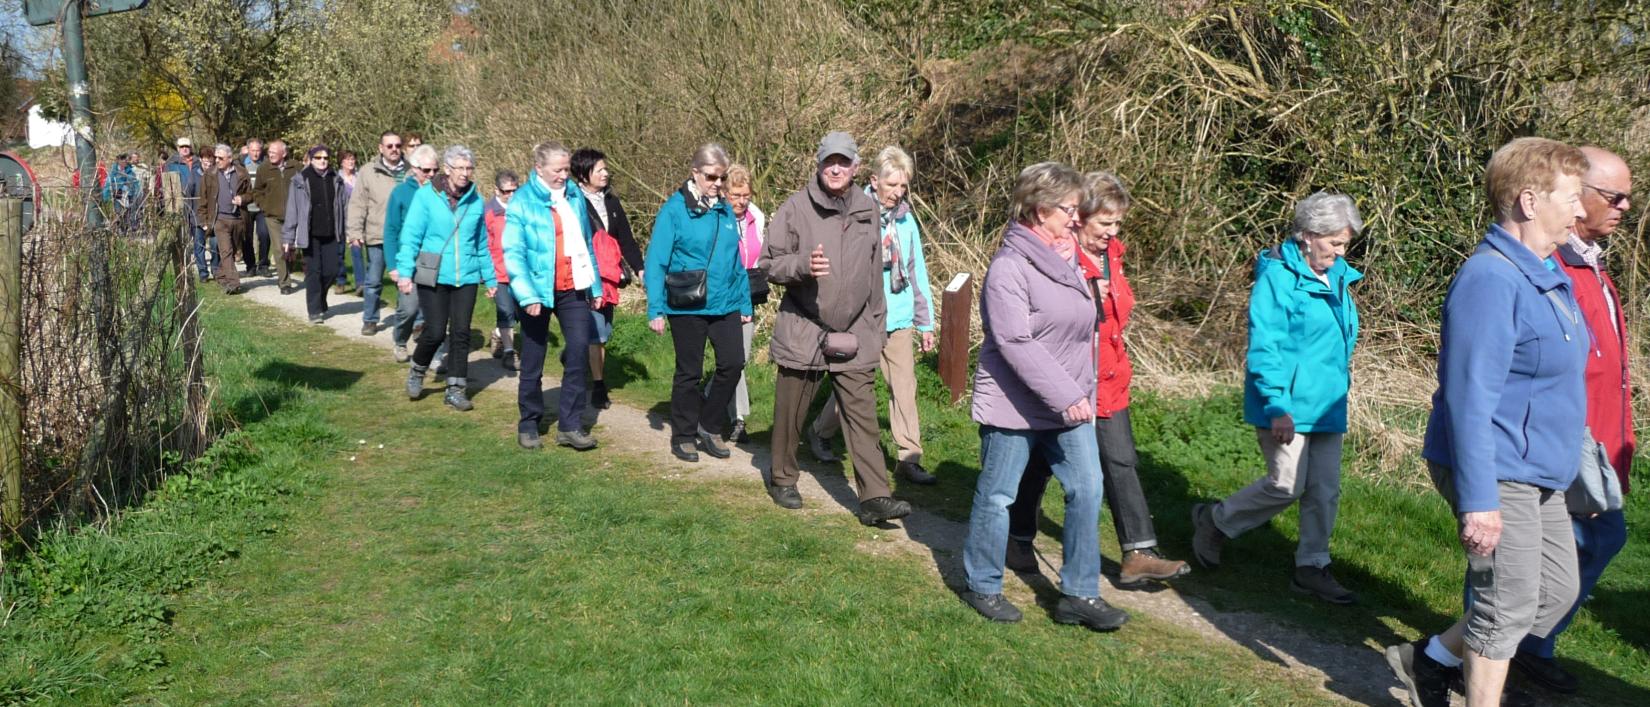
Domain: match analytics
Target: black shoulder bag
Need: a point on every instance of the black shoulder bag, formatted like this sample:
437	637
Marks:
685	289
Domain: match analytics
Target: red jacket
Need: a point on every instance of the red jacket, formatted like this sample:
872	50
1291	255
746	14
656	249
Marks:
1609	409
493	216
607	263
1114	372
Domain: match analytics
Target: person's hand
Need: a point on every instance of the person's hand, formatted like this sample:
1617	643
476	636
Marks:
534	309
1481	532
358	243
492	292
237	200
1283	429
394	276
286	249
818	264
1080	413
405	284
657	324
927	343
745	320
1104	286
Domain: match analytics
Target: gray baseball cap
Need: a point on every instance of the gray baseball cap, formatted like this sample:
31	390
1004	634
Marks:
837	142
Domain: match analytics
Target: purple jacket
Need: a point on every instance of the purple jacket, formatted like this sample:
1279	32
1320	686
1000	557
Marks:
1038	356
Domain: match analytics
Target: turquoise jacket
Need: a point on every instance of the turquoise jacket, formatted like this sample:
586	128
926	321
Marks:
913	305
1301	335
394	215
529	242
697	239
430	223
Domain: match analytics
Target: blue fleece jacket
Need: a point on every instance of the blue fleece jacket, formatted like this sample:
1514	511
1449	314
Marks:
395	214
1511	400
529	241
1301	334
433	226
697	239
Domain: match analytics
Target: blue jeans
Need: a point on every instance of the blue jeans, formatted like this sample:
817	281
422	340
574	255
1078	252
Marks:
407	316
505	310
204	251
1597	542
355	260
1074	456
372	284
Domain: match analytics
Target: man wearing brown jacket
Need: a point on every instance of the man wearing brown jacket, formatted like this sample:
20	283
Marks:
270	185
824	247
219	211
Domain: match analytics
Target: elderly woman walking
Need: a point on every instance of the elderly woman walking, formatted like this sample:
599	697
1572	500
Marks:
694	279
552	268
1505	437
443	253
1302	328
752	225
1034	392
1105	201
314	225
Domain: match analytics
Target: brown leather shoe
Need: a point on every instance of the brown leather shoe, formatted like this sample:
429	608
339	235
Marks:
1143	564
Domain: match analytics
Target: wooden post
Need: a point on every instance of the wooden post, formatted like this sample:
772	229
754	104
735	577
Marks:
11	363
956	311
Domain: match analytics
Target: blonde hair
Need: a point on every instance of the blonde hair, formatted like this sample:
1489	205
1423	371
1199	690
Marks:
893	159
739	175
1043	186
1103	191
1533	163
545	150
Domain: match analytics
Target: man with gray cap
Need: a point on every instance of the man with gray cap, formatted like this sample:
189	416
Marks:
824	247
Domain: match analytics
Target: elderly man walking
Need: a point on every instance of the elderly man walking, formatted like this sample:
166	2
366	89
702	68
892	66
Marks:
824	246
223	189
189	172
423	161
269	191
364	222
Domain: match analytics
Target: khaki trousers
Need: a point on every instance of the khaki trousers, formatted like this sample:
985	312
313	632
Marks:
794	389
1306	470
899	369
227	234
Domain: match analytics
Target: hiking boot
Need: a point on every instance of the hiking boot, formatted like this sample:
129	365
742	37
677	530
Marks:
340	289
529	440
684	449
882	508
401	354
709	444
288	289
1317	582
314	319
579	440
1206	538
1021	556
737	433
415	381
455	398
1426	680
1546	673
992	606
509	362
914	473
598	396
1145	563
785	496
1092	612
369	329
819	447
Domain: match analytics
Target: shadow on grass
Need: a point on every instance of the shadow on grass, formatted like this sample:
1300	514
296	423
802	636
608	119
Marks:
293	375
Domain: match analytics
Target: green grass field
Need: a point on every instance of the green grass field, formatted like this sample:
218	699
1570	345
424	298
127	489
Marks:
302	562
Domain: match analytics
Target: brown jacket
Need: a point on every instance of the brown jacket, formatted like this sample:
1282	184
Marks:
848	228
206	211
270	185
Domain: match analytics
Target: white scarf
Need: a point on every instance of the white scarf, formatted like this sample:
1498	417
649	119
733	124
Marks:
572	235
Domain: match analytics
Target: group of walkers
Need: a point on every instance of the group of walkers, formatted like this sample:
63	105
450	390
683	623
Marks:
1530	438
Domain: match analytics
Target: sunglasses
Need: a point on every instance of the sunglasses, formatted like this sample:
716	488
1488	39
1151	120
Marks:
320	157
713	177
506	191
1614	198
393	146
425	170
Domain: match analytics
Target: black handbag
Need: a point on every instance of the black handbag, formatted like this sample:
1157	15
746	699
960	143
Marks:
759	285
686	289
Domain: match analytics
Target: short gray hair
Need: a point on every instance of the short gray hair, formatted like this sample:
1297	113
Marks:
421	155
1043	186
457	152
1323	213
225	149
708	154
893	159
547	149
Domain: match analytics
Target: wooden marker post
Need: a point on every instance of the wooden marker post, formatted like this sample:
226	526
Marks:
11	363
956	310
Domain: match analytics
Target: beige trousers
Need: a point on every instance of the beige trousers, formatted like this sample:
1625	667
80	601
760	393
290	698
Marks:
899	369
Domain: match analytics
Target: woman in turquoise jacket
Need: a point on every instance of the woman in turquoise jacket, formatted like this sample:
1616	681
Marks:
1302	329
445	218
696	231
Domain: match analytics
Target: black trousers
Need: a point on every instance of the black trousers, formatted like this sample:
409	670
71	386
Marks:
322	254
578	329
1119	477
688	410
447	311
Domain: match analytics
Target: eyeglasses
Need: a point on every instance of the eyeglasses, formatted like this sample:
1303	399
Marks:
713	177
393	146
1071	211
322	158
506	192
425	170
1614	198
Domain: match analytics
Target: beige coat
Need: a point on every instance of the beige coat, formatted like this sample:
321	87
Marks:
848	228
364	221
